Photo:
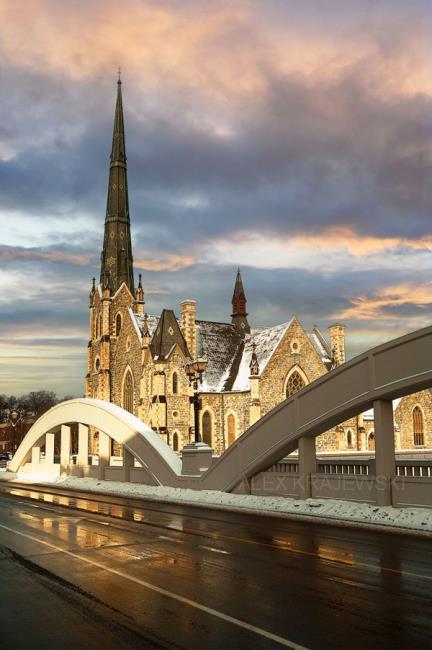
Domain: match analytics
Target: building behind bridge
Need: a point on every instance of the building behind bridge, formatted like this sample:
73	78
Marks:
138	360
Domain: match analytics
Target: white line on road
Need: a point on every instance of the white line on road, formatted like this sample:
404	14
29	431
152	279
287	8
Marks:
171	539
214	550
165	592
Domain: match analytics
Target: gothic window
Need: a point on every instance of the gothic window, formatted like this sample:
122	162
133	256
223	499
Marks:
175	383
418	427
207	428
97	364
175	441
231	429
100	326
349	439
118	324
295	382
128	399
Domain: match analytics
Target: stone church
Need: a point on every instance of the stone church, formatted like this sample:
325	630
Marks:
138	360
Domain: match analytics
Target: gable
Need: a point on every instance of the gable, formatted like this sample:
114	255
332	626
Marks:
166	336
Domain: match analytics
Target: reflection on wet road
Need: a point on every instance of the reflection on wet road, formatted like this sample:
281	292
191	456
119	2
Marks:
198	578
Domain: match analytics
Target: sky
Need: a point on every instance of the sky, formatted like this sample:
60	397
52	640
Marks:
292	139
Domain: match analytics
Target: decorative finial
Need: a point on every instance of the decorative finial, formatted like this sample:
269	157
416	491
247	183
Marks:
139	281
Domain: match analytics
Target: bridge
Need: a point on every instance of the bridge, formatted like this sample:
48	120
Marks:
250	465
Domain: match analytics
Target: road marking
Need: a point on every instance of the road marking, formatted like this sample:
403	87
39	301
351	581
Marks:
164	592
214	550
171	539
282	544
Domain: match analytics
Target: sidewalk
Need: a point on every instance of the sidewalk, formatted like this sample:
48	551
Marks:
332	510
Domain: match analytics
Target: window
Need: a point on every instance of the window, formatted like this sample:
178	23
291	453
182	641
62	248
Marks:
118	324
295	382
371	441
231	429
175	383
295	347
349	439
207	428
418	428
97	364
100	326
175	441
128	399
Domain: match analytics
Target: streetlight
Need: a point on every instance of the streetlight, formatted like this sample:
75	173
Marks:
194	370
14	417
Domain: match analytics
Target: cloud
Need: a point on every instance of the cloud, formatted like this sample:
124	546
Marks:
9	253
289	138
392	302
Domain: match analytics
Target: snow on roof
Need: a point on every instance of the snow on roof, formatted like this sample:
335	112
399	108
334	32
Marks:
218	343
152	322
229	355
320	345
266	340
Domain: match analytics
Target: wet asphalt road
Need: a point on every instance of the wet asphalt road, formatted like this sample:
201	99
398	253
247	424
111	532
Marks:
171	576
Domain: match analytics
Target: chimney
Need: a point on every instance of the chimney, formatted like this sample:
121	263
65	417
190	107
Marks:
188	327
337	343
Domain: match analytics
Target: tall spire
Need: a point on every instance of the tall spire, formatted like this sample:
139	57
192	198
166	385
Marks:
116	258
239	314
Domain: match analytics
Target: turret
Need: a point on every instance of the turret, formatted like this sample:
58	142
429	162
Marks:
139	297
337	343
254	378
239	314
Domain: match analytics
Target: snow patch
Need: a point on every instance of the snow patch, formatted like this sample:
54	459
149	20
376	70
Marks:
348	511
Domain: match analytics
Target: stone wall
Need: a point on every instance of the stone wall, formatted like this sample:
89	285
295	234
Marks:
404	418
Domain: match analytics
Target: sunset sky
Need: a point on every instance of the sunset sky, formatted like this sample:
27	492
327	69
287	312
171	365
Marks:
291	138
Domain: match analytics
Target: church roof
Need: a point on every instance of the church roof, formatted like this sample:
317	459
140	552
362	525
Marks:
321	346
219	344
227	351
166	336
229	354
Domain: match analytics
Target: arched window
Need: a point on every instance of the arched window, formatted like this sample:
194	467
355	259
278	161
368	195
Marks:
418	427
118	324
175	441
128	398
207	428
97	364
294	383
231	429
349	439
100	326
175	383
371	441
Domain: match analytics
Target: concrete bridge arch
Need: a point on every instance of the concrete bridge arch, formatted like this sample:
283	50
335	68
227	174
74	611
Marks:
373	379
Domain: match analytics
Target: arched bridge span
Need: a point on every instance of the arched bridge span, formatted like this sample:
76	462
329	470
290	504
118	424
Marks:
394	369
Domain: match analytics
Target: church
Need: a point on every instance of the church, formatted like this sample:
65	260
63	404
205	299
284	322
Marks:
143	362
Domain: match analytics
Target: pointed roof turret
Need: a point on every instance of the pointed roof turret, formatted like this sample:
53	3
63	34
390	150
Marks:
116	258
239	313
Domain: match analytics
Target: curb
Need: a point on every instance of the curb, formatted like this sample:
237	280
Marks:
288	516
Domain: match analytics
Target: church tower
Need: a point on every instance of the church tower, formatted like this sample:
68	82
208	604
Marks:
116	258
239	314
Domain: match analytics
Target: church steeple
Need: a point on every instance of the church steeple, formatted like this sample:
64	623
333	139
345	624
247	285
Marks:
116	258
239	314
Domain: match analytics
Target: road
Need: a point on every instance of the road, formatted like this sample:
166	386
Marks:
127	573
